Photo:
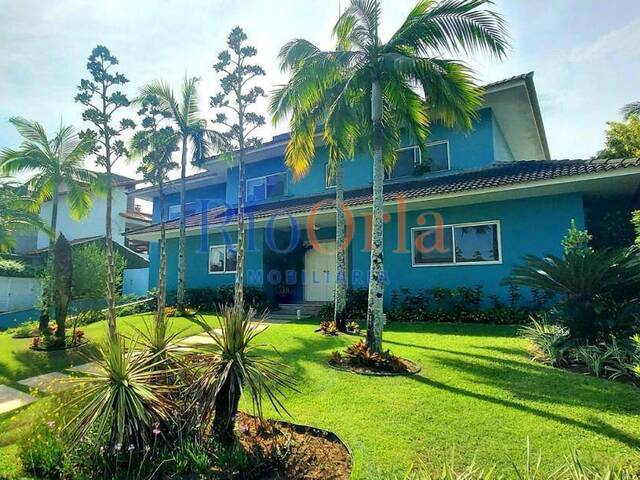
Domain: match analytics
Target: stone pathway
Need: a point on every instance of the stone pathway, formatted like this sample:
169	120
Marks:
54	382
85	368
10	399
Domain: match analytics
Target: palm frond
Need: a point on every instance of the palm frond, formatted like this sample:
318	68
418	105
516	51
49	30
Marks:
631	109
457	26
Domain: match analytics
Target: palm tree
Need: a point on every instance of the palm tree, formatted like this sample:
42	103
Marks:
310	103
193	132
630	109
53	164
155	146
384	78
18	213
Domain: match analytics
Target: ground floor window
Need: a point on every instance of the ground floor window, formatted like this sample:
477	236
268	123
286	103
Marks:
459	244
223	258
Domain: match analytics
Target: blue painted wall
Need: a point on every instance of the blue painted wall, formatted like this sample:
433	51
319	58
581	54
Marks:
528	226
198	261
212	195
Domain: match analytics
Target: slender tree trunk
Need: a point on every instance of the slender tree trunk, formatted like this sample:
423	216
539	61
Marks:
182	261
375	314
238	297
111	274
226	408
47	284
340	295
162	274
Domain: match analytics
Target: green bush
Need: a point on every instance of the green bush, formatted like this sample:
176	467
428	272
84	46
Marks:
90	271
459	305
42	453
210	299
18	268
355	307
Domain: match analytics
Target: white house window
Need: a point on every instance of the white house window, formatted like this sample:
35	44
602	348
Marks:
269	186
189	209
329	181
435	159
460	244
223	259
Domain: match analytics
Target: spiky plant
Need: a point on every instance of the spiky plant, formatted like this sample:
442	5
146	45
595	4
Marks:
120	401
234	363
62	281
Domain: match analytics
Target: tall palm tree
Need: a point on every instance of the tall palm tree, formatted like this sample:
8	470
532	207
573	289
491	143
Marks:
53	164
309	104
193	133
630	109
155	146
384	79
18	213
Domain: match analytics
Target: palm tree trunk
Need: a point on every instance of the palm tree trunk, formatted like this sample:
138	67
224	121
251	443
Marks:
182	263
238	293
226	408
340	300
375	314
162	274
111	274
47	284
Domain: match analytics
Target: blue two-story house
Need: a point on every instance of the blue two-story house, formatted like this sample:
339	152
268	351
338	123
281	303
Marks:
462	213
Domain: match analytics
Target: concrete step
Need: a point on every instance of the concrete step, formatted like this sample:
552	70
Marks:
307	308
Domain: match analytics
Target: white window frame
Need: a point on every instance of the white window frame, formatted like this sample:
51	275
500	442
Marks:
326	177
440	142
453	226
264	177
224	262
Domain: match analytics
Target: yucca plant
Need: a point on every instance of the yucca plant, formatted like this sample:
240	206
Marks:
121	400
232	363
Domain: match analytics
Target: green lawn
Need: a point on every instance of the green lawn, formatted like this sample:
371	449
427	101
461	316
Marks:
478	393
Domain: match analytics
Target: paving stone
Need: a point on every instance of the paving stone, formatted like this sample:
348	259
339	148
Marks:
10	399
87	368
49	382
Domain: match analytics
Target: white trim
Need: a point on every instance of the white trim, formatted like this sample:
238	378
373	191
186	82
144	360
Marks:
326	177
261	177
453	227
224	259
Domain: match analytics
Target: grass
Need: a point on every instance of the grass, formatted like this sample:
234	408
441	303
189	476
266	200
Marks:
478	394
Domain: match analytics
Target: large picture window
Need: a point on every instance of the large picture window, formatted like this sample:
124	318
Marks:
461	244
223	259
260	189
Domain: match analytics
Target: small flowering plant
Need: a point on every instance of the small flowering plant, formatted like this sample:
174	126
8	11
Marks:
37	342
79	335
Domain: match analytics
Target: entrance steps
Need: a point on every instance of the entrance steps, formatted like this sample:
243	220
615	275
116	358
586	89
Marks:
289	311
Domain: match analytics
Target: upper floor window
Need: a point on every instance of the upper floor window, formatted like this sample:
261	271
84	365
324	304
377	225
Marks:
411	161
223	258
329	180
460	244
190	208
269	186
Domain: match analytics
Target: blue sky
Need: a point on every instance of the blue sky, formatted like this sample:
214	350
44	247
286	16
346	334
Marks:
584	53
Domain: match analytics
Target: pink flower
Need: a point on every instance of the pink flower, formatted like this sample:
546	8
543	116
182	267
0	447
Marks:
156	429
51	424
131	448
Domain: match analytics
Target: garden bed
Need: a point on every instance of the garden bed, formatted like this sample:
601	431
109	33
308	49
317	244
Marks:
408	368
294	451
70	344
357	358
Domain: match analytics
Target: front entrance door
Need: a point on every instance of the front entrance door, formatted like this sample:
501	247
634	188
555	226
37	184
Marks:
320	273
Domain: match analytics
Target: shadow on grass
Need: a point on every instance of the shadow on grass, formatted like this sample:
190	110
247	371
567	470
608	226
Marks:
598	426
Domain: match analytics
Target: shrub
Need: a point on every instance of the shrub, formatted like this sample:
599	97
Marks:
15	267
598	291
328	328
210	299
355	307
42	452
359	354
90	271
461	305
549	341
